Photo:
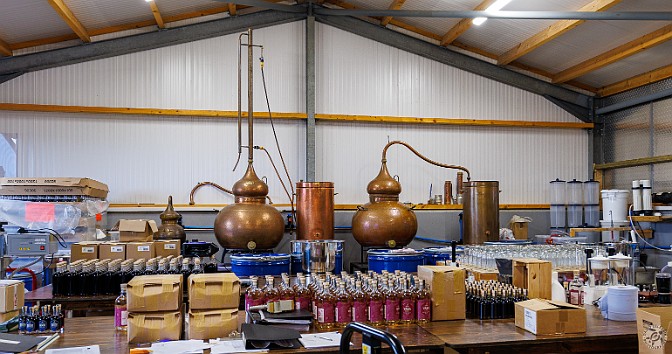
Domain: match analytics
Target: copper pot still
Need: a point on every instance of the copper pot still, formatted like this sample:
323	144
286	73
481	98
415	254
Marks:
481	212
315	210
169	228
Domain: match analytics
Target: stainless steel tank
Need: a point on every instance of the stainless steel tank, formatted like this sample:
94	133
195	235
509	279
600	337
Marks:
481	211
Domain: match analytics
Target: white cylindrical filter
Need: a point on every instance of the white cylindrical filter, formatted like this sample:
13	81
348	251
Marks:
647	203
614	236
558	192
591	192
620	303
558	217
615	205
591	215
575	192
636	197
574	215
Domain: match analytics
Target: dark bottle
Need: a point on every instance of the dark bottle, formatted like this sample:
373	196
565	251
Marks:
106	280
85	280
174	269
72	278
138	268
98	279
58	288
185	271
197	269
53	320
43	320
30	321
161	268
211	266
483	307
126	269
22	319
150	269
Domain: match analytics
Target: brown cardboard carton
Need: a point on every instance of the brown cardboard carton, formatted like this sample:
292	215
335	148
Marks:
53	186
112	250
84	250
154	293
137	250
519	230
214	291
653	330
541	316
448	291
11	295
136	230
6	316
165	248
210	324
153	326
534	275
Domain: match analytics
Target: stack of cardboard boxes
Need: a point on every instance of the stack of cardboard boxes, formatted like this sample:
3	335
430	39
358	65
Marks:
154	304
213	305
11	299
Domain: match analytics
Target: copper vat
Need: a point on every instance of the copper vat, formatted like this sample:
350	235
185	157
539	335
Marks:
315	210
249	223
481	211
169	228
384	221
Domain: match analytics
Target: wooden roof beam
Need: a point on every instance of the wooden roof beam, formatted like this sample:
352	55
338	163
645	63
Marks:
70	19
157	14
5	50
623	51
232	9
395	5
552	32
463	25
637	81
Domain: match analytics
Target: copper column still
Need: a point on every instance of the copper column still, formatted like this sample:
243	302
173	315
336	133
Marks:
481	211
315	210
170	229
384	221
249	223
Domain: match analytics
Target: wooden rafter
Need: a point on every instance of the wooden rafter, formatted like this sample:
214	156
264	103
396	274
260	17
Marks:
70	19
463	25
552	32
5	49
637	81
633	47
395	5
157	14
232	9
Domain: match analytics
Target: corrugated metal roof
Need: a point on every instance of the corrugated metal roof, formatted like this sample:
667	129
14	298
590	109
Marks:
95	14
24	20
177	7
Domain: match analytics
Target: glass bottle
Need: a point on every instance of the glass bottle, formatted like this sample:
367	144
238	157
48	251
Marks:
125	273
161	268
408	304
575	290
254	296
30	321
54	326
360	304
376	305
211	266
270	292
326	315
302	297
73	279
173	268
22	319
58	280
197	269
316	302
423	303
150	268
120	312
108	278
483	306
185	271
43	320
343	313
98	279
392	305
138	268
286	292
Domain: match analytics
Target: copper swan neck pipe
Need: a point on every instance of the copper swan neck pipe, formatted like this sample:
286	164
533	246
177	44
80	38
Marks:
456	167
201	184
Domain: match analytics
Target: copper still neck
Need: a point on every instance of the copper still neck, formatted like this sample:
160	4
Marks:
169	216
169	228
384	187
250	188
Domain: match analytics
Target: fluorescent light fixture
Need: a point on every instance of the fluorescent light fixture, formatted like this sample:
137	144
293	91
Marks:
496	6
149	0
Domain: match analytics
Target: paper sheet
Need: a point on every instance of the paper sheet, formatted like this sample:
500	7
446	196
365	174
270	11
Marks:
233	346
92	349
180	347
321	340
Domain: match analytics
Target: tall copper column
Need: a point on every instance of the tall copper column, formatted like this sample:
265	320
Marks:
481	211
315	210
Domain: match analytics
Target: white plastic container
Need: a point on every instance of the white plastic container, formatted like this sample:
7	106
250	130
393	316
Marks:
574	215
615	205
558	217
636	197
558	192
614	236
574	192
591	215
591	192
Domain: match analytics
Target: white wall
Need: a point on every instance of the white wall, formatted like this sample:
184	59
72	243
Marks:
144	159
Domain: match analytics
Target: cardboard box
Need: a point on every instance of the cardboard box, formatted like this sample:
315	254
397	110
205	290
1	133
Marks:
165	248
533	275
112	250
448	291
137	250
6	316
84	250
53	186
210	324
519	230
11	295
541	316
653	330
136	230
214	291
153	326
154	293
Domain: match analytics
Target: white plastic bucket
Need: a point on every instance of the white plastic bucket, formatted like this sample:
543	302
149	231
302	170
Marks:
615	205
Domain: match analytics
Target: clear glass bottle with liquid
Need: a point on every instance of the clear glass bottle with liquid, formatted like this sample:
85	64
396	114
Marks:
408	305
376	304
576	290
302	297
120	310
423	304
326	311
286	292
343	313
392	305
360	304
253	295
270	292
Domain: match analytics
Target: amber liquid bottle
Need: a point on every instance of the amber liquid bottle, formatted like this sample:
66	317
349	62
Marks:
360	304
423	304
253	295
326	314
408	304
392	305
376	305
343	313
302	297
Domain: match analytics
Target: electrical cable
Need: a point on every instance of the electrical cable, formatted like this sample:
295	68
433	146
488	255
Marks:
277	173
41	258
632	225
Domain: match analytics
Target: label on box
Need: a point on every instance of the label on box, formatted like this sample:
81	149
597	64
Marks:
143	248
531	321
88	249
117	249
169	246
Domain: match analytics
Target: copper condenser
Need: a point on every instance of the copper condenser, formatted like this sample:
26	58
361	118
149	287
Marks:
481	211
315	210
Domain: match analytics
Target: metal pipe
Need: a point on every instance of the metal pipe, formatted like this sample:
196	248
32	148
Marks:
240	99
201	184
456	167
634	102
250	107
529	15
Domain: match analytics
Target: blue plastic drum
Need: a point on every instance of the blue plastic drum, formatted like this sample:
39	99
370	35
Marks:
439	254
391	260
247	264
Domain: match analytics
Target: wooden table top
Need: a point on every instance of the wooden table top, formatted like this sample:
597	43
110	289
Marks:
44	294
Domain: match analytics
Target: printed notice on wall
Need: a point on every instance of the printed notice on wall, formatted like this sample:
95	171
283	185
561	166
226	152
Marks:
8	154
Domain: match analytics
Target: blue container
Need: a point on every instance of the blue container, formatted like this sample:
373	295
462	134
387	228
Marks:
391	260
439	254
27	279
247	264
338	264
296	266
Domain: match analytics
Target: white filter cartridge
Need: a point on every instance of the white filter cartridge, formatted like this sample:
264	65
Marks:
636	197
647	203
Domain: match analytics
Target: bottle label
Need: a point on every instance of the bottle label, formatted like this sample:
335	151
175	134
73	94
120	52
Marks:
314	310
343	314
53	325
42	325
424	309
407	310
22	324
302	303
391	310
249	301
328	313
360	311
120	315
30	326
574	297
376	312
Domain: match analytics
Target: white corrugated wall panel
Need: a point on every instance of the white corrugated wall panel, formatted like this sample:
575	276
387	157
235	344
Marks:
195	75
